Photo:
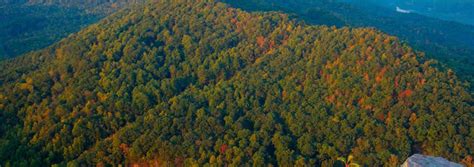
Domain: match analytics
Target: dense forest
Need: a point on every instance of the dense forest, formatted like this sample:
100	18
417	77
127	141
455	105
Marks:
35	24
448	42
180	82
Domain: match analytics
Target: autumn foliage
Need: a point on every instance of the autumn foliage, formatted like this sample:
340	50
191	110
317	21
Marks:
180	83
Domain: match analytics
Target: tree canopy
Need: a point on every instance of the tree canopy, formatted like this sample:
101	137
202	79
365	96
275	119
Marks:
181	82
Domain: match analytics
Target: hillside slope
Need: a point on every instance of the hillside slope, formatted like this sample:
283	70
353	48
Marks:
449	42
26	28
98	6
29	25
181	82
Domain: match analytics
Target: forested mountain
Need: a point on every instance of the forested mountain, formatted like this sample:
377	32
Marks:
449	42
36	24
181	82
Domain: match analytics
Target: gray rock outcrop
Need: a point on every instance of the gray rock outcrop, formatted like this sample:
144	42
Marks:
419	160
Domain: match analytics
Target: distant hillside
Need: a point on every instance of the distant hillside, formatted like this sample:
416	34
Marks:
29	25
25	28
99	6
181	83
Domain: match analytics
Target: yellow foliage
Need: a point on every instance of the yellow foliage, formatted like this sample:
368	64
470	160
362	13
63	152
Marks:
212	160
102	96
259	60
29	81
28	85
366	77
24	86
60	53
2	97
393	161
289	28
413	118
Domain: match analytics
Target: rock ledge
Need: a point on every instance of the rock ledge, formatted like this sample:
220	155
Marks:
419	160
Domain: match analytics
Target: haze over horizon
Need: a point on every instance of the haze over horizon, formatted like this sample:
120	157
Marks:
461	11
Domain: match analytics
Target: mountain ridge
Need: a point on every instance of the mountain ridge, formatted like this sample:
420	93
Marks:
201	83
448	42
